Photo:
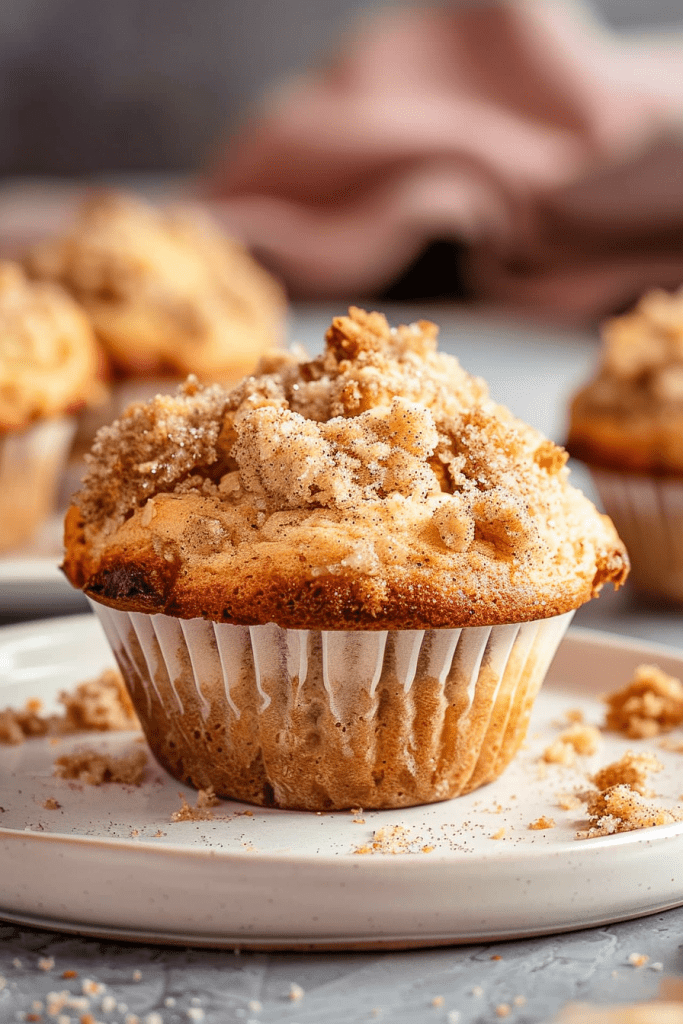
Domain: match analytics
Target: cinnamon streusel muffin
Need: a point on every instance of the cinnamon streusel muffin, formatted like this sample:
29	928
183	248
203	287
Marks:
340	583
48	368
627	425
167	292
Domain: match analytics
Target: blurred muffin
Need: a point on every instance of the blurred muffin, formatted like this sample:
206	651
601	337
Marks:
627	425
48	368
166	291
341	583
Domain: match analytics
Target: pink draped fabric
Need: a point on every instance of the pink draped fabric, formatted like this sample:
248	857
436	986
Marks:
549	146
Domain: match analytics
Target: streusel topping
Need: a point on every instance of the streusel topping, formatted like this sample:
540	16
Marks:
48	358
381	456
166	290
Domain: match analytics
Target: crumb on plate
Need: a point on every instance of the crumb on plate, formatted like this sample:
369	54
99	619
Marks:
95	768
206	799
650	704
100	704
542	823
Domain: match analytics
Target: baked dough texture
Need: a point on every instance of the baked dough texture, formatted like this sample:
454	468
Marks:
374	487
167	292
48	357
630	416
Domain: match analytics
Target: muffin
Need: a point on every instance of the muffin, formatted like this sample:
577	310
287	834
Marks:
627	425
166	291
341	583
48	368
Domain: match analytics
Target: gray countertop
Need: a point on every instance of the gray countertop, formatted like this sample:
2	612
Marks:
533	371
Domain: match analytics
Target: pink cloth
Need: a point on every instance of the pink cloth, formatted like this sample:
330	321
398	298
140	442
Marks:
526	130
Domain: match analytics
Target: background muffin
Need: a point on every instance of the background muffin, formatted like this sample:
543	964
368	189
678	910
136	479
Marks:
48	368
627	425
342	582
166	291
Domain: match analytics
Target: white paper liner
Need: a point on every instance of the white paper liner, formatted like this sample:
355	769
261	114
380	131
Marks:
320	719
647	512
31	462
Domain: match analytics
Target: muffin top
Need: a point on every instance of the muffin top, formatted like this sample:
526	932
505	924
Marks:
166	290
630	415
48	357
375	487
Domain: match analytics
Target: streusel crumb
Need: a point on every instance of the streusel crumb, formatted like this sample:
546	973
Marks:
206	799
388	839
630	770
577	739
650	704
100	705
542	823
621	809
96	768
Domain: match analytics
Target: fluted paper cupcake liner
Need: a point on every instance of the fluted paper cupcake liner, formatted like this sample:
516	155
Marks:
31	462
648	514
331	719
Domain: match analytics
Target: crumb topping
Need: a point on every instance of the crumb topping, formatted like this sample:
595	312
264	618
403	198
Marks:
380	455
48	358
165	289
100	704
650	704
95	767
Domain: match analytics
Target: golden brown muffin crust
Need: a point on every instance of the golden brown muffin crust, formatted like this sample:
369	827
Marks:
48	358
166	290
630	416
375	487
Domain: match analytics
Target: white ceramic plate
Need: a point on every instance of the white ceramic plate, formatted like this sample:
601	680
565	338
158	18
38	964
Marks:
109	862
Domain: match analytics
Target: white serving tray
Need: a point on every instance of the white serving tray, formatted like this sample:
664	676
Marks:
279	879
